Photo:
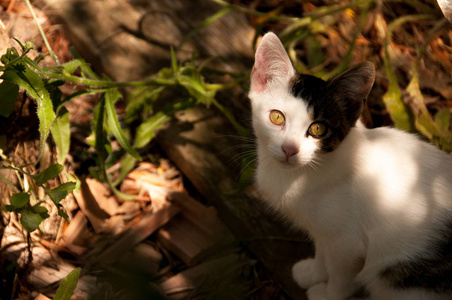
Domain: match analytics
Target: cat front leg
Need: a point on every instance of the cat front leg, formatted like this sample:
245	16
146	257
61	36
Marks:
343	268
309	272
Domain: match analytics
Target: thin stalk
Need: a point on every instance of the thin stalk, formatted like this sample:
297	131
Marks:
418	5
46	42
9	182
430	36
346	60
111	84
241	130
318	14
396	23
103	84
333	9
219	86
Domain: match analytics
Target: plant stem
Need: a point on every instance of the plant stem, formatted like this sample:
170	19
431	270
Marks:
46	42
431	34
111	84
318	14
241	130
399	21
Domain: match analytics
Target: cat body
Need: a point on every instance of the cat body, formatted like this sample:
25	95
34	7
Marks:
377	203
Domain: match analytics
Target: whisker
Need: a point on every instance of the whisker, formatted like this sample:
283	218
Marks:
315	164
243	147
252	161
240	156
237	137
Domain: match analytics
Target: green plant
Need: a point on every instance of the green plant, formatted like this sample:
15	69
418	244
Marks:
19	71
67	286
26	203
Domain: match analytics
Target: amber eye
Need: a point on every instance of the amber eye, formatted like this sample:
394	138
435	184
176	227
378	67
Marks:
317	129
277	117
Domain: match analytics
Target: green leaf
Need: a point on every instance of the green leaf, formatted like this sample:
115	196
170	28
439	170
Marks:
35	87
71	66
111	96
174	61
196	88
9	208
442	119
9	92
98	128
68	285
49	173
127	164
146	131
60	192
393	99
423	122
19	200
85	67
166	73
30	220
139	99
39	209
33	64
55	93
61	134
10	55
62	214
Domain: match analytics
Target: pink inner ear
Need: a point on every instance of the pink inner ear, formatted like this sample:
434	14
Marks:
258	79
259	74
271	63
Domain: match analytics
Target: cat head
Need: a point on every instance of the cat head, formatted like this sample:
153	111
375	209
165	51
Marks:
297	116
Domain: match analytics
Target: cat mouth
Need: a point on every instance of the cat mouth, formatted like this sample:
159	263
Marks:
286	163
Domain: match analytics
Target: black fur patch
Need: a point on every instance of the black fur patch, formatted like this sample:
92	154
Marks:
329	107
431	271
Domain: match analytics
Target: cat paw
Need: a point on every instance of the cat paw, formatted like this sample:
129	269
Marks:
318	292
306	273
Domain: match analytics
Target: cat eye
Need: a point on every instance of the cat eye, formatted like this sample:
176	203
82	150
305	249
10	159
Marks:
277	117
317	130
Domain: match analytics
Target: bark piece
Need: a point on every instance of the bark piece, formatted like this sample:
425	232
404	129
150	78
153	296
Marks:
143	258
89	206
195	232
150	222
210	273
76	234
103	196
49	271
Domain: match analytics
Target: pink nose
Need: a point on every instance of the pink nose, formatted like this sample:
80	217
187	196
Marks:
290	150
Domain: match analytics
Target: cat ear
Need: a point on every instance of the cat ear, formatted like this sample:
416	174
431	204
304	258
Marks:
352	87
272	64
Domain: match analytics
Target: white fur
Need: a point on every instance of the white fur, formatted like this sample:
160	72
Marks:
372	202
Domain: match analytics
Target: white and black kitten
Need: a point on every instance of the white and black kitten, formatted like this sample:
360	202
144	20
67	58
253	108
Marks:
377	203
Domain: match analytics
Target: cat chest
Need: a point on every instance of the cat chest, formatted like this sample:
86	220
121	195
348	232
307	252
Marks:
311	203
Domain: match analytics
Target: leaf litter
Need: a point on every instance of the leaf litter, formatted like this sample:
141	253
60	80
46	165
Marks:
160	233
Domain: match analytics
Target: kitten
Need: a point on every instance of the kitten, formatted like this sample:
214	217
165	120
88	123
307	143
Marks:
377	203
